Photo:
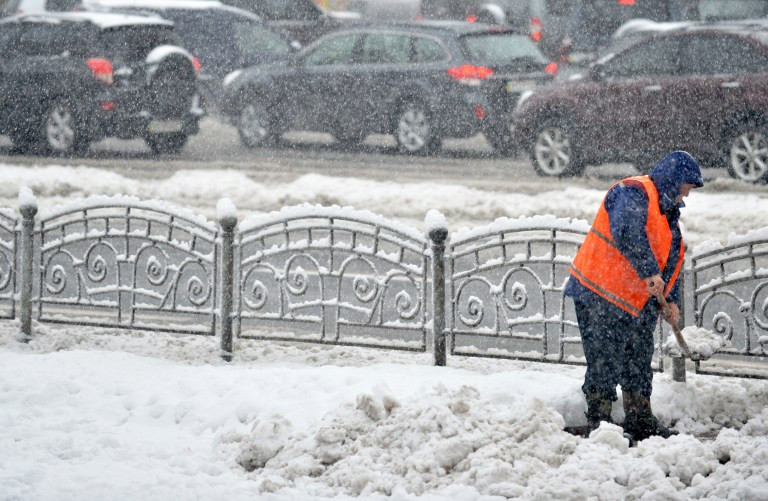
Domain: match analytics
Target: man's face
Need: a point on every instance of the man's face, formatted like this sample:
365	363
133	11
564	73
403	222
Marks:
685	189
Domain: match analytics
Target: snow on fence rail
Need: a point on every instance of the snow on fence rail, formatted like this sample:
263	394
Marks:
336	275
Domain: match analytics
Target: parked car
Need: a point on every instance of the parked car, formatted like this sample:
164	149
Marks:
303	20
702	88
419	81
69	79
223	38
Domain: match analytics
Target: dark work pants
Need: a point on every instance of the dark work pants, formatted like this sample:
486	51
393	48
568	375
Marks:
618	347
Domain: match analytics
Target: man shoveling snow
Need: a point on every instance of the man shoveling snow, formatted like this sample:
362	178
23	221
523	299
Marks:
633	252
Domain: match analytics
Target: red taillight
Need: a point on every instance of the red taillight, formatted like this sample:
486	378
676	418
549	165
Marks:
107	105
551	68
471	18
537	29
101	69
469	73
479	112
627	2
197	64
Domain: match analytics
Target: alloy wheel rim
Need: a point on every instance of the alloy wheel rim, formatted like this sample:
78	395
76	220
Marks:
59	129
749	156
253	123
413	129
553	151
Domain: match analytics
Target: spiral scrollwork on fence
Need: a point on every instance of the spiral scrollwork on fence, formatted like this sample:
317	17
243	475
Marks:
506	289
8	247
121	262
339	275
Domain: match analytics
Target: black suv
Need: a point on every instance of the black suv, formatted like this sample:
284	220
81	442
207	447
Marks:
223	38
419	81
68	79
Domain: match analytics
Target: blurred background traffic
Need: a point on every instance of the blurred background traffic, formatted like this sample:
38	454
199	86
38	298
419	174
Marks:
426	70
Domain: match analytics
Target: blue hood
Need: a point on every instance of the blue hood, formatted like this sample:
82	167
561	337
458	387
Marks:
674	170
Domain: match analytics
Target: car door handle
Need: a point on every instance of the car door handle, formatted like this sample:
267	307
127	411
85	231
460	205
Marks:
652	88
730	85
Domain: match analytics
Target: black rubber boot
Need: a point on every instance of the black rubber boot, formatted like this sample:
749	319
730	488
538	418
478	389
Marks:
640	423
598	409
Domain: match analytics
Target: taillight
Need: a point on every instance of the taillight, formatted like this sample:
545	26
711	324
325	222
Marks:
551	68
101	69
471	19
196	63
537	29
470	74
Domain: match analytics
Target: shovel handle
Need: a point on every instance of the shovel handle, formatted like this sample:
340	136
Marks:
675	328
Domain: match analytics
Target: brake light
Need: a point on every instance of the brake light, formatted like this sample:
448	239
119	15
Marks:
196	63
470	74
479	112
537	29
101	69
551	68
471	18
627	2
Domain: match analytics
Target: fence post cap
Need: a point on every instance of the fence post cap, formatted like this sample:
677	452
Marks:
27	203
437	227
227	214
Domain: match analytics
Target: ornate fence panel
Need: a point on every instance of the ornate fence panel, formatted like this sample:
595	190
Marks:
332	275
9	238
506	290
730	298
120	262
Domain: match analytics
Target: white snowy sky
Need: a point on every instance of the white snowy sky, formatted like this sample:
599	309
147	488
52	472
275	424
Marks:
92	414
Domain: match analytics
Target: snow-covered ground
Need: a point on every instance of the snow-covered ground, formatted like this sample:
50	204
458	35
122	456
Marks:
87	413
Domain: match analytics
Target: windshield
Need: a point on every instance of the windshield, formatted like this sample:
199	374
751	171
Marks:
718	10
502	49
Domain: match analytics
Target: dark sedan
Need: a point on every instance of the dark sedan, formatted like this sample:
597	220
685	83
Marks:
703	89
419	81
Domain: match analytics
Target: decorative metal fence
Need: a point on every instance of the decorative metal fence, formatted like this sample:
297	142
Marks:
9	237
730	297
120	262
506	290
335	275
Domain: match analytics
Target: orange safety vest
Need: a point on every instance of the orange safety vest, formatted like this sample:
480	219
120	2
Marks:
604	270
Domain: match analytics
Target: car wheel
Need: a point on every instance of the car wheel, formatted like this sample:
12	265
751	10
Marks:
415	132
553	152
500	139
747	152
166	143
255	124
61	131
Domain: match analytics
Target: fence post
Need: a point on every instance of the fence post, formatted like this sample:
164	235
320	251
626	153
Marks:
28	210
437	230
227	214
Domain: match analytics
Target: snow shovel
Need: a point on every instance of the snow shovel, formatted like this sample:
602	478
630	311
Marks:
678	333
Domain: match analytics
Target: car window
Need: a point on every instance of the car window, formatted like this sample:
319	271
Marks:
280	10
253	38
658	56
333	50
501	49
713	55
427	50
718	10
51	40
380	48
134	43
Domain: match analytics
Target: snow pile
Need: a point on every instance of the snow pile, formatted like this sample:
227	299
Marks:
700	341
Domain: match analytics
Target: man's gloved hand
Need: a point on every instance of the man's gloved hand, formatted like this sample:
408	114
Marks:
655	285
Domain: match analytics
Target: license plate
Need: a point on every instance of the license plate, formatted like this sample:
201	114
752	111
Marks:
518	86
164	126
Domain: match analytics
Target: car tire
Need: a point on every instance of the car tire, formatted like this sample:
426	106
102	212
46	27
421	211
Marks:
501	140
414	131
61	130
746	152
553	150
255	124
166	143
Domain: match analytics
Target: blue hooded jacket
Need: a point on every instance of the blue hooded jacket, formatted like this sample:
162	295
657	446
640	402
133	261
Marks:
627	208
